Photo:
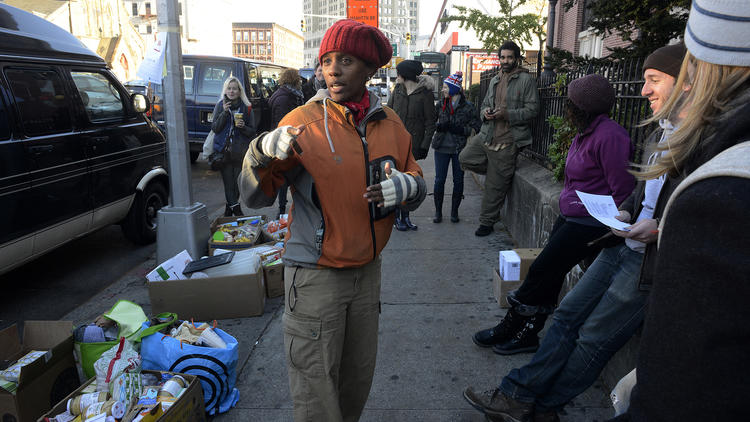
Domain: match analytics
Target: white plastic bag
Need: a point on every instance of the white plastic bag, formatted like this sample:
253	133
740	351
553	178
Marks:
620	395
208	145
116	361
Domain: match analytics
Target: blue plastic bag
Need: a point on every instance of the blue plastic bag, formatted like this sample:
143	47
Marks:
216	368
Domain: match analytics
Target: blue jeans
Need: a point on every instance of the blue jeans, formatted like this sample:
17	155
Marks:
592	323
441	173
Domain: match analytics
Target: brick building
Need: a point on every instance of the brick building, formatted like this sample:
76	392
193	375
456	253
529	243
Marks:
268	42
572	33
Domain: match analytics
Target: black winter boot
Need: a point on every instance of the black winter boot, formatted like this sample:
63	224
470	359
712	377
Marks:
399	224
405	219
237	210
455	203
526	339
227	211
502	332
438	206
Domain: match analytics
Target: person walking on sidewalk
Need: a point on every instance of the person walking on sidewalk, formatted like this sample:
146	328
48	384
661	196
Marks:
692	361
233	126
606	306
349	163
511	103
456	119
597	163
413	101
285	99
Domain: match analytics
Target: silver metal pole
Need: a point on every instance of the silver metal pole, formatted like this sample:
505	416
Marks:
183	225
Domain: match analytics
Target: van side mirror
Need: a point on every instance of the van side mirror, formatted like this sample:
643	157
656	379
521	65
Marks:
140	103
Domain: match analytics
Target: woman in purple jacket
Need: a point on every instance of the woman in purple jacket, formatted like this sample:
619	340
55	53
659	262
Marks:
597	163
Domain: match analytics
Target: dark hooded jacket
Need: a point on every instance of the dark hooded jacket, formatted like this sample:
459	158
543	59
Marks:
417	111
692	363
454	125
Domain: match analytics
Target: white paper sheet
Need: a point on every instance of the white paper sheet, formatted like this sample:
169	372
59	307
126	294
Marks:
603	208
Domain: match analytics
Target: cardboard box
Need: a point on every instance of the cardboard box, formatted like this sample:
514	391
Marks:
206	299
527	255
501	288
45	381
274	275
514	264
234	246
188	408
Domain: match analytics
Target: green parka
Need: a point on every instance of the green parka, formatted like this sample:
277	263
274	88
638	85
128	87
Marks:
522	102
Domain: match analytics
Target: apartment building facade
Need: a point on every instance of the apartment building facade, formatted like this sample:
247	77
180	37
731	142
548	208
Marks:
267	41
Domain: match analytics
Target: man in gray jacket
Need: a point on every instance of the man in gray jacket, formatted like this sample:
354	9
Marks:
511	103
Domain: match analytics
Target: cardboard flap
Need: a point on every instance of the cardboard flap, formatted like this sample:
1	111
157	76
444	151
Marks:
10	343
33	370
45	335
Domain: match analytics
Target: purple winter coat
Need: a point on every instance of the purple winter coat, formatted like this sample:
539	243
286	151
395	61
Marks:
597	163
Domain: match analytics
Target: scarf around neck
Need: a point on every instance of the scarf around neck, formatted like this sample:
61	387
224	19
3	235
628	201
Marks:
359	108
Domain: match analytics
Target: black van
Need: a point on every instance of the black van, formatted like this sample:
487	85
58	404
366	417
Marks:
76	152
204	79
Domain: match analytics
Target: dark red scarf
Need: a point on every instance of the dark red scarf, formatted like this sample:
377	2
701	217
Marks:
448	103
359	108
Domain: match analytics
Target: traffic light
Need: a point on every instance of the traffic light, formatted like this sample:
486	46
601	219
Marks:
302	25
408	37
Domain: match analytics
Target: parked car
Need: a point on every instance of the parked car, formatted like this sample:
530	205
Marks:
77	152
204	79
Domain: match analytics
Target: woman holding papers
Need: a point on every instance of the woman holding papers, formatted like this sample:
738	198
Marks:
597	163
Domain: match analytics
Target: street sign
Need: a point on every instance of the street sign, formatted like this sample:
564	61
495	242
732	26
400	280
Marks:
365	11
395	49
460	48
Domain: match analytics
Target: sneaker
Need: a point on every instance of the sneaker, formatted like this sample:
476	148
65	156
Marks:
400	225
483	231
500	333
497	406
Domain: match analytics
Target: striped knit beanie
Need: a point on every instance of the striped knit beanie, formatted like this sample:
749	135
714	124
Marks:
454	83
718	31
358	39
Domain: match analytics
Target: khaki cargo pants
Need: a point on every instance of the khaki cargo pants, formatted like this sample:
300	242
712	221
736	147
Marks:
331	339
498	166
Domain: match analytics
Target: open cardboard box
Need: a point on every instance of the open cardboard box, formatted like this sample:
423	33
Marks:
45	381
502	287
206	299
188	408
234	246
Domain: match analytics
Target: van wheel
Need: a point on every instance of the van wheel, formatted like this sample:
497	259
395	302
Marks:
194	156
140	224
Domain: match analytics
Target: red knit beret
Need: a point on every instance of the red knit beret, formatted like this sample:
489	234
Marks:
358	39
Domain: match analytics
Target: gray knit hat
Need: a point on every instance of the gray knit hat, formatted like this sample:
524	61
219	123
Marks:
592	93
718	31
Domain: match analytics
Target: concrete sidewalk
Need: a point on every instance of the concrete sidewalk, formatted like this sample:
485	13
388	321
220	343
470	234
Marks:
436	292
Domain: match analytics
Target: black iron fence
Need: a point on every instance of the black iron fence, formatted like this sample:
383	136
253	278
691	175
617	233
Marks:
630	108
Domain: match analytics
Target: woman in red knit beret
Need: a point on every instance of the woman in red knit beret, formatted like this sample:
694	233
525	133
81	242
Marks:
348	162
